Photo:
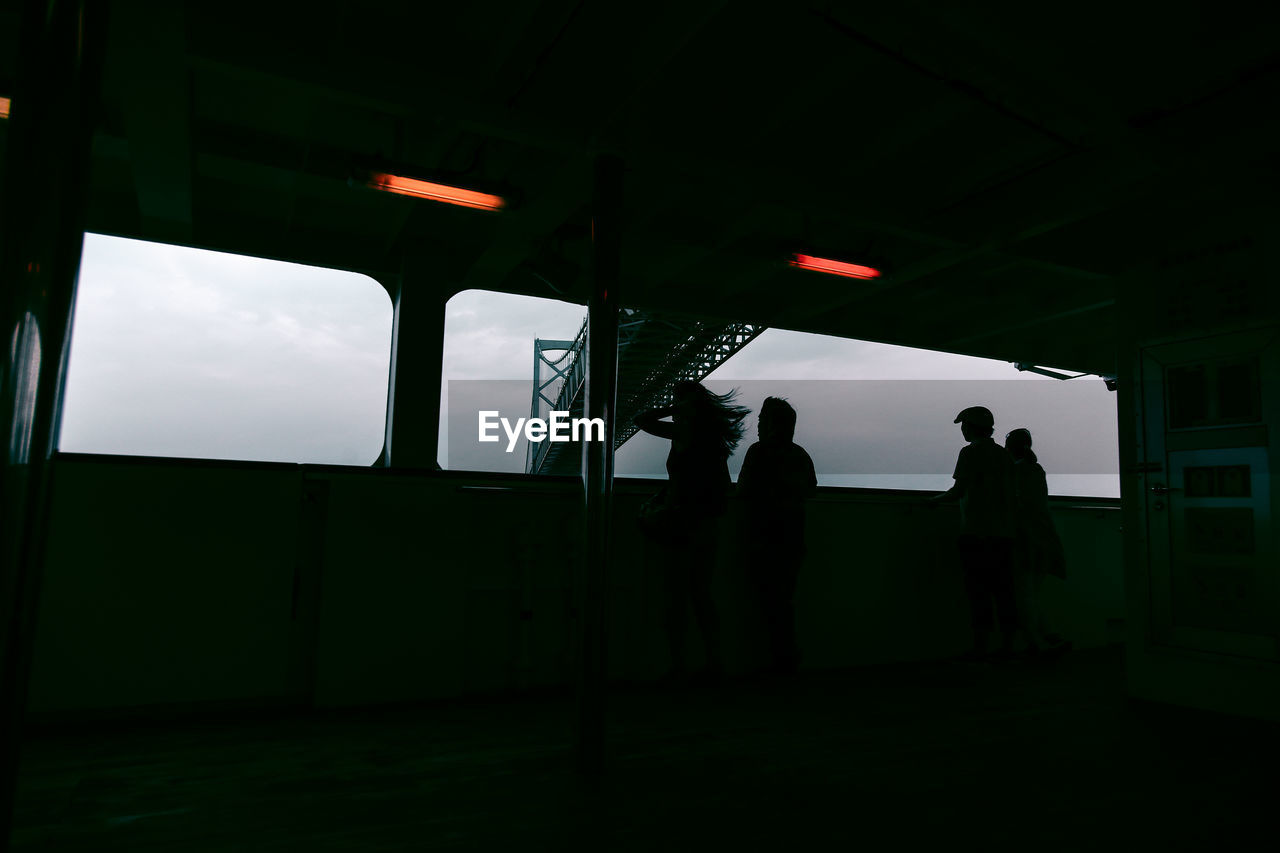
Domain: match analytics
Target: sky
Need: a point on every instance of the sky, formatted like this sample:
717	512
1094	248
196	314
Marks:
182	352
869	414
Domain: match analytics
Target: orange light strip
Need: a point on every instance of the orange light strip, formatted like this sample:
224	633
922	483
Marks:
435	192
4	107
809	262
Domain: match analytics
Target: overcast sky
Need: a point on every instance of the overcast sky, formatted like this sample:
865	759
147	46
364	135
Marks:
182	352
869	414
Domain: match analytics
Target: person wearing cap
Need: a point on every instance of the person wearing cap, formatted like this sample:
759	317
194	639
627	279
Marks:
984	485
1038	550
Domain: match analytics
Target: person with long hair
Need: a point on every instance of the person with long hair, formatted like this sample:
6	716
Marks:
704	430
1038	550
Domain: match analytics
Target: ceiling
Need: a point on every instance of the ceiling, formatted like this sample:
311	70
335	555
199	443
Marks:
1005	168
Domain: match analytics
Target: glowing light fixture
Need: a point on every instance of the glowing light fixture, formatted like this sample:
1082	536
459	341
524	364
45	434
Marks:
435	192
4	107
809	262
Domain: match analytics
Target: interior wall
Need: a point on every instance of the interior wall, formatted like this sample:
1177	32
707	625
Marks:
172	583
1214	283
166	584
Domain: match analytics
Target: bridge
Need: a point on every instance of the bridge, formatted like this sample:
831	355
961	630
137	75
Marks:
654	353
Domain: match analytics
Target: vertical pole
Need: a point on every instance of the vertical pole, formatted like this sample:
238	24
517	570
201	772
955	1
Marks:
529	452
417	352
597	463
46	175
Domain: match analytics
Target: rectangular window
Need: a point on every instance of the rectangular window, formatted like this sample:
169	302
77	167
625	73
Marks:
870	415
183	352
495	344
1211	395
881	417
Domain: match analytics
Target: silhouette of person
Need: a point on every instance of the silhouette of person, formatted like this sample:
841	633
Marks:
985	487
777	476
704	430
1037	549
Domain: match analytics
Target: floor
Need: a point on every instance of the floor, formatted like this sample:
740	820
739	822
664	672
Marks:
1041	757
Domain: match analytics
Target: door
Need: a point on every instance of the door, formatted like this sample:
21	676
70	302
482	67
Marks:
1207	414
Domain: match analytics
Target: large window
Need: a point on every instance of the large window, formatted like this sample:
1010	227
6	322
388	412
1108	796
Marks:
879	416
870	415
182	352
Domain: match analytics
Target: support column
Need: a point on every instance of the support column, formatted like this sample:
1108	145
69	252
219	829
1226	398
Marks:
597	463
417	350
46	178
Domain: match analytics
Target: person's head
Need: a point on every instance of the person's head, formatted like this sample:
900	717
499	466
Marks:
976	422
1018	443
777	420
714	415
687	397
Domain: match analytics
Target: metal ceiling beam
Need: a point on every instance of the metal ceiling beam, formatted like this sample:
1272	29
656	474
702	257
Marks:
1034	322
524	32
963	56
1017	93
393	94
148	42
567	191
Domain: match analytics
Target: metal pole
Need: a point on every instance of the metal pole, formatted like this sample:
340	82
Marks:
46	176
529	454
597	463
417	351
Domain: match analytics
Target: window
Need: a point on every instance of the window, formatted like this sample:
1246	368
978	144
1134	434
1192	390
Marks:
182	352
1210	395
879	416
488	367
870	415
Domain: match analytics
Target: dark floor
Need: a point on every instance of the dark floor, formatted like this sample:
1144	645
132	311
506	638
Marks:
1038	758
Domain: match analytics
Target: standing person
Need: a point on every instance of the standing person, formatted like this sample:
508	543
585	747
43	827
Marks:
704	430
985	487
1038	550
777	476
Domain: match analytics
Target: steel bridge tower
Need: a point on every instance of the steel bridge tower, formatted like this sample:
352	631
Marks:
654	353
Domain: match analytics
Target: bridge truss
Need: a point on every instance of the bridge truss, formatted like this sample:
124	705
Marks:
654	353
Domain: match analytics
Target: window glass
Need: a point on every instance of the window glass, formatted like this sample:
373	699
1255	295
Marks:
182	352
870	415
489	341
878	416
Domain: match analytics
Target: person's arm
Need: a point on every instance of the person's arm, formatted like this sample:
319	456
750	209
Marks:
652	422
1040	485
747	476
811	474
748	473
961	477
954	493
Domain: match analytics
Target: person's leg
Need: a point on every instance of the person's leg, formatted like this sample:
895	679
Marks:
1000	559
789	646
674	617
701	572
1023	595
1035	582
1027	617
775	591
977	588
767	592
1052	639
